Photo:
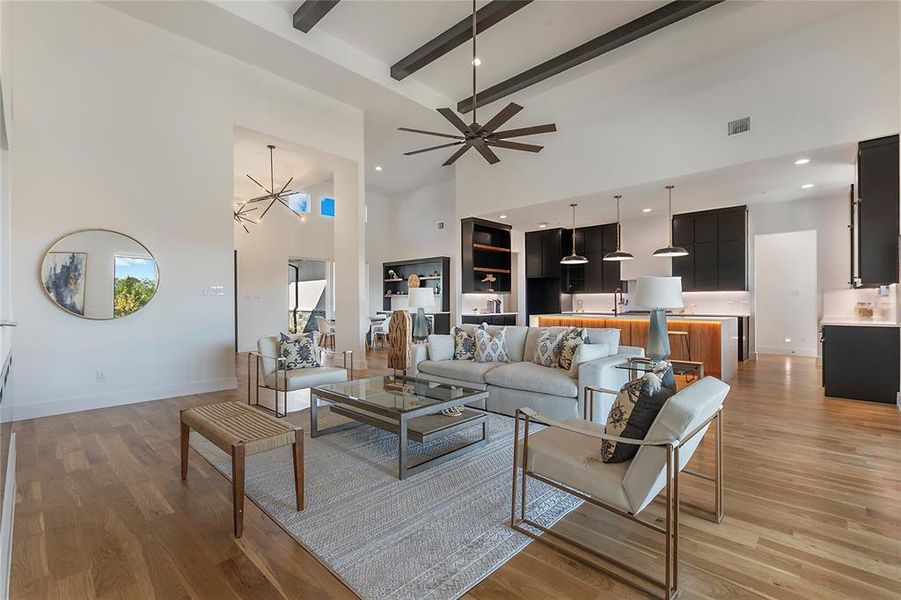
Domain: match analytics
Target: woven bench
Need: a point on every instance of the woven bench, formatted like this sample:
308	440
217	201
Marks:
242	431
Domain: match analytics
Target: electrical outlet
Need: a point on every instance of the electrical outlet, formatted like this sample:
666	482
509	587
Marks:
101	376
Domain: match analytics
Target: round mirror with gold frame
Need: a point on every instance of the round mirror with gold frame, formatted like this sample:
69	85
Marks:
99	274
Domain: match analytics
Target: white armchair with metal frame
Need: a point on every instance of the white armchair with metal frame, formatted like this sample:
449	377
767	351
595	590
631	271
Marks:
272	373
556	455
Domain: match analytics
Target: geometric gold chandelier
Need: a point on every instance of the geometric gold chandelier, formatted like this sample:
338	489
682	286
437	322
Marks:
271	195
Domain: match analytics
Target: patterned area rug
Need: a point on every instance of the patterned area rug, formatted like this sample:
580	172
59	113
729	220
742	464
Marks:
434	535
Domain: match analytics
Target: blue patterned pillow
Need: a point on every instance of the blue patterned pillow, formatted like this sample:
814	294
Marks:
464	344
491	348
547	351
299	351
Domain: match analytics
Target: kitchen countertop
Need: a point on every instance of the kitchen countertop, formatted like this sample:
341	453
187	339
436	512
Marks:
609	313
488	314
638	315
853	322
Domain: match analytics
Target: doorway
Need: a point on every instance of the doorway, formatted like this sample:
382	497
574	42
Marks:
309	294
785	278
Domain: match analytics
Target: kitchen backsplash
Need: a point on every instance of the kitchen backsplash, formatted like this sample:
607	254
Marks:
478	303
711	303
842	303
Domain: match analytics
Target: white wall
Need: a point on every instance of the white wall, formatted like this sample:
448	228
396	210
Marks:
786	293
263	263
379	244
130	128
677	124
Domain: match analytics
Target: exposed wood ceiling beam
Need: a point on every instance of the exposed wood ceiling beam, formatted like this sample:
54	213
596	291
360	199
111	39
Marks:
622	35
492	13
311	12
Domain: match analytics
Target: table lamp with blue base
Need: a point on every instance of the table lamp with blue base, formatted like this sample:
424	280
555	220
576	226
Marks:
658	294
420	298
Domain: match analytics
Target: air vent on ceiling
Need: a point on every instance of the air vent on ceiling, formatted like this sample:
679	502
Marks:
742	125
439	226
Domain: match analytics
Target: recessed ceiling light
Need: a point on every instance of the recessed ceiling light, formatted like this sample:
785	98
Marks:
542	225
503	216
802	161
378	167
806	186
645	210
477	61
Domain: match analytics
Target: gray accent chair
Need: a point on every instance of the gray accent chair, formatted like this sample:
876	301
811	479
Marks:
557	393
272	373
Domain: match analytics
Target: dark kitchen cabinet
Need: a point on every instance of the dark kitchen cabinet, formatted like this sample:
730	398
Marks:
861	363
485	251
504	319
717	242
544	249
877	211
597	275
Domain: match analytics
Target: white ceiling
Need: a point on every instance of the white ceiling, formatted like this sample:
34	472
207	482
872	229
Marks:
349	53
777	179
251	157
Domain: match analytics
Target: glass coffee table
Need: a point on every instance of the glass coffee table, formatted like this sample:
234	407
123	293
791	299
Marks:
408	407
639	364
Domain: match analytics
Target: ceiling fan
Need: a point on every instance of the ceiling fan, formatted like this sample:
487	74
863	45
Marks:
482	137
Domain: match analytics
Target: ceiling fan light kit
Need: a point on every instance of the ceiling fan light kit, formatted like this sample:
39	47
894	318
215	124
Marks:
481	137
670	251
574	259
618	255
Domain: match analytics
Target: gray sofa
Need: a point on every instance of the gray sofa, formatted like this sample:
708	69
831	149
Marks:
554	392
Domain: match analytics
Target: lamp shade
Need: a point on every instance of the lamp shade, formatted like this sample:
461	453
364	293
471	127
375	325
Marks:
421	297
658	292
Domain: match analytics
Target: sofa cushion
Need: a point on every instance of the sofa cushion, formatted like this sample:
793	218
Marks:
586	353
604	335
534	335
441	347
491	348
534	378
560	455
547	351
300	379
516	338
461	370
569	344
464	343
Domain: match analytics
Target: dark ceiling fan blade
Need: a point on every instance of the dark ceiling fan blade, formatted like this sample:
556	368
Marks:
514	145
453	158
432	148
447	135
536	129
488	154
502	117
455	119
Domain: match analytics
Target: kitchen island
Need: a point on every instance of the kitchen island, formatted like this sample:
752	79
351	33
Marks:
711	340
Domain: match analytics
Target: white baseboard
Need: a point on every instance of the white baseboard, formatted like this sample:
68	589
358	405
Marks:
810	352
6	518
58	407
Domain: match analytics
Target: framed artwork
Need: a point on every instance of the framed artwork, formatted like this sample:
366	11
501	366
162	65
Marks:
64	275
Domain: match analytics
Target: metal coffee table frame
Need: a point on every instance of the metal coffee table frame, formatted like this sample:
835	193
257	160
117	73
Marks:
398	422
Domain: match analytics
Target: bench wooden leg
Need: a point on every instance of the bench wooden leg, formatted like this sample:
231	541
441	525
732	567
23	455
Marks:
297	451
238	487
185	438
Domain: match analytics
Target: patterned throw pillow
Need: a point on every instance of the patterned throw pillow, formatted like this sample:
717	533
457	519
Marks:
547	351
491	348
634	410
464	344
299	351
569	344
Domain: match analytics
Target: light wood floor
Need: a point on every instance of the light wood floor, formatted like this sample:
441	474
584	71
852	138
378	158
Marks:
812	496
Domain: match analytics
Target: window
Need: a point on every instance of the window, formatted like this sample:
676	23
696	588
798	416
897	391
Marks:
327	207
299	202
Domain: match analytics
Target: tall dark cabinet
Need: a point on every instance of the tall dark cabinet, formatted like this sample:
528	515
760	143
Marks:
878	200
717	243
485	250
597	276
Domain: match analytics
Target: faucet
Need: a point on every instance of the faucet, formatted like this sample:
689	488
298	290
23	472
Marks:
617	303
